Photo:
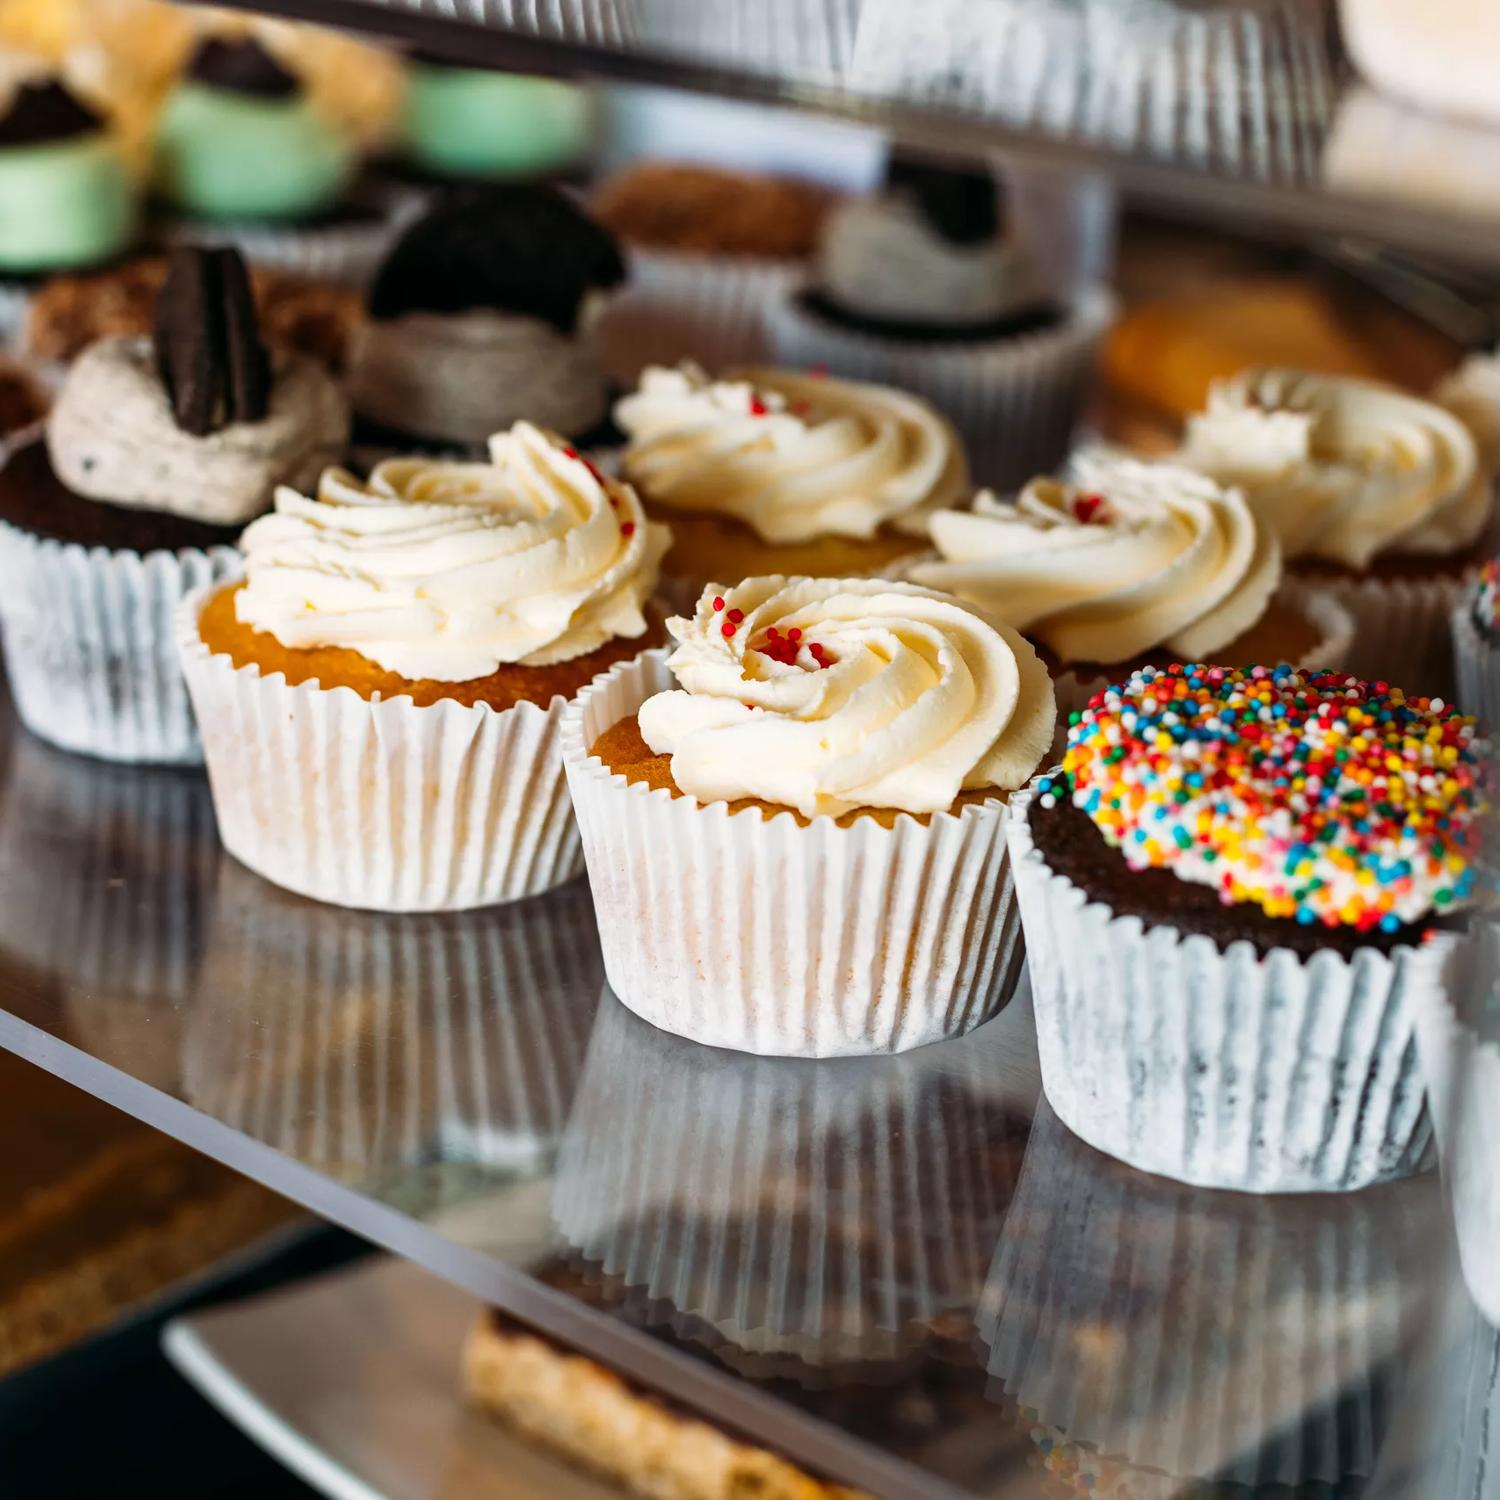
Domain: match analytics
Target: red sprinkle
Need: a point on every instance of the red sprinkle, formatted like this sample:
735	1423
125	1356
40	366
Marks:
570	452
614	503
794	634
718	602
736	615
1085	506
758	408
627	528
727	632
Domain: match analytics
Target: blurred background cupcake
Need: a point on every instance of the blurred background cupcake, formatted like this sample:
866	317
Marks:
155	454
485	313
1475	625
933	286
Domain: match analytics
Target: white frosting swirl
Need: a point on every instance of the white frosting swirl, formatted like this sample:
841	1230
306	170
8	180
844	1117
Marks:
458	377
1125	558
1342	469
891	696
447	570
1472	394
792	456
880	257
111	436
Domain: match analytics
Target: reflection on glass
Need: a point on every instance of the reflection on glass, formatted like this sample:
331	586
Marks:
1155	1334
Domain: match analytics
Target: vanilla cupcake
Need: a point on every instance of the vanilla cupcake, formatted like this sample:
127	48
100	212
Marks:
381	699
155	454
1126	563
769	471
1377	494
800	849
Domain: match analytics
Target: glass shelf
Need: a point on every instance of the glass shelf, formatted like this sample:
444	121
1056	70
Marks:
1223	109
903	1272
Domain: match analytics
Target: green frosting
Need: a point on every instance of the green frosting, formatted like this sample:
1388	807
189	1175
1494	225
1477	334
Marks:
64	203
471	122
224	155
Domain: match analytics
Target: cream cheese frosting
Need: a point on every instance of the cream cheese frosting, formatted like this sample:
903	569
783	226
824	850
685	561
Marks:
1121	558
111	437
1472	394
792	456
458	377
445	571
827	695
1342	469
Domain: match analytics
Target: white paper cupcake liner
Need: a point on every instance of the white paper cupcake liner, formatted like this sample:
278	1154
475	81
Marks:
810	41
380	805
15	303
1220	1067
89	644
382	1041
815	1213
676	306
1476	664
1015	400
1204	1336
1400	629
770	937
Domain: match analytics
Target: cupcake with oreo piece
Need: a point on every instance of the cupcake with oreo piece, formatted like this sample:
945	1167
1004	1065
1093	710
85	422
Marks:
381	700
1476	645
155	454
932	286
1237	892
66	196
771	471
484	314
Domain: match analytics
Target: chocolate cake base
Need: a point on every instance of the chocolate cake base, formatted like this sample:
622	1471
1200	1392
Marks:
1035	319
34	499
1072	846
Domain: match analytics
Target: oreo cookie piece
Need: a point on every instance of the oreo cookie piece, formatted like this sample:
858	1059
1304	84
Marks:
43	112
209	352
240	65
962	204
506	248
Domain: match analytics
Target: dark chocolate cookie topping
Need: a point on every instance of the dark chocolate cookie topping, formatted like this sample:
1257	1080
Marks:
241	65
962	204
208	347
514	249
45	111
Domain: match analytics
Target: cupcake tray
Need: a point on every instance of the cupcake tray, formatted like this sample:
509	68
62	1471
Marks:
901	1272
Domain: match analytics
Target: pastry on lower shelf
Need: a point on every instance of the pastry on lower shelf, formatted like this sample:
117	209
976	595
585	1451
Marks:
1237	894
156	451
603	1422
1376	495
933	286
868	808
768	471
426	630
484	314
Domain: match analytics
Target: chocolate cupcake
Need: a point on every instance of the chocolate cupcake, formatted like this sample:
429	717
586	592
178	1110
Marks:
155	454
932	286
484	314
1236	893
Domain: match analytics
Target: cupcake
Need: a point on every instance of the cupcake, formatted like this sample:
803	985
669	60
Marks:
1235	893
929	286
1377	495
770	471
66	196
485	314
1472	394
1476	645
1126	564
155	453
381	699
853	897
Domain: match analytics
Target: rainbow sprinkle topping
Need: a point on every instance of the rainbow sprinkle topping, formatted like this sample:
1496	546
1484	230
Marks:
1487	597
1312	795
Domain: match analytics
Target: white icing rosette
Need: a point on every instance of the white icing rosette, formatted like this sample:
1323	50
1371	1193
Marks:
816	1215
385	1040
437	571
1015	400
797	936
1202	1338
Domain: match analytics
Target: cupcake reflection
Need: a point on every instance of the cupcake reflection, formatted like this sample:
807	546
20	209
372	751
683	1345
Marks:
365	1042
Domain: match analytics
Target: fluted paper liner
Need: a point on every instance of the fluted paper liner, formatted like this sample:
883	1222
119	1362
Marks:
1476	664
807	41
1015	400
380	804
786	940
90	644
812	1213
1220	1067
382	1041
1400	628
1204	1335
